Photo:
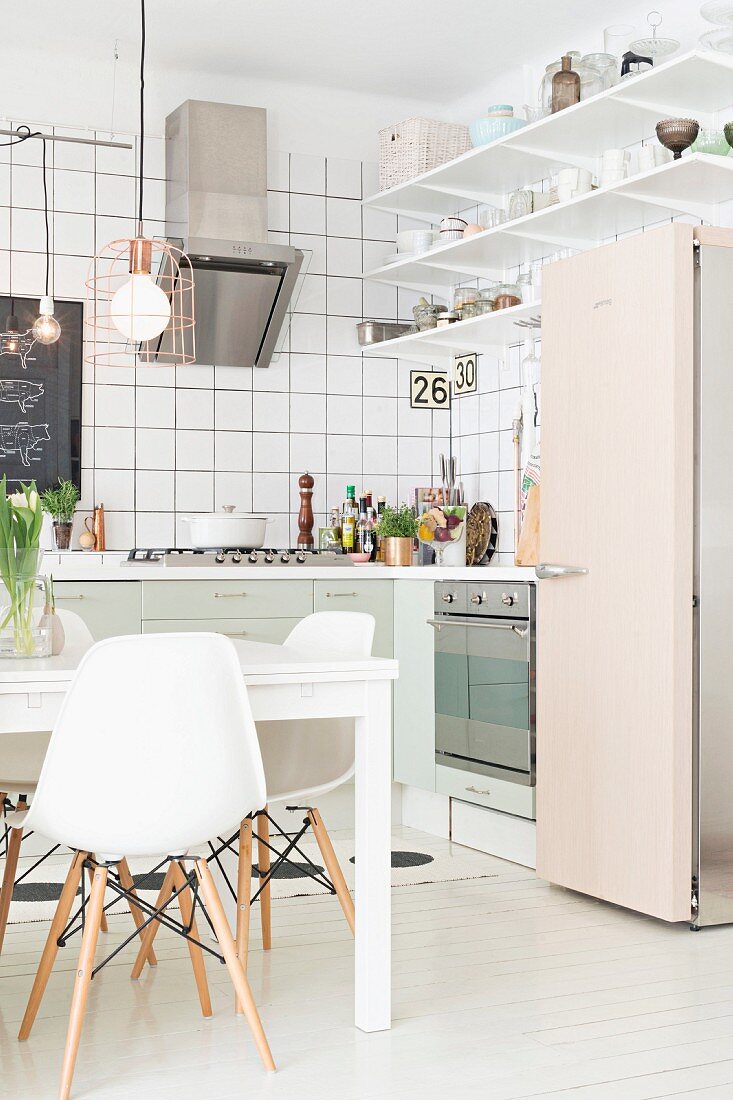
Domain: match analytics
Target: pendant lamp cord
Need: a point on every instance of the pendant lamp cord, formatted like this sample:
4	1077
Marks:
142	113
45	212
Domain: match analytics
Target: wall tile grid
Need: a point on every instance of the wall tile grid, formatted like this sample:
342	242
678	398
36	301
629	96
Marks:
159	443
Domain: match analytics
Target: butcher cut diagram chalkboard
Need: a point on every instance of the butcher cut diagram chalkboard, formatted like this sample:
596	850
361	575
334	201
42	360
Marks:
40	400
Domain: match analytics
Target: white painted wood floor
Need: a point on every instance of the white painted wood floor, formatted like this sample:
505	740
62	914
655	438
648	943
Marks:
503	987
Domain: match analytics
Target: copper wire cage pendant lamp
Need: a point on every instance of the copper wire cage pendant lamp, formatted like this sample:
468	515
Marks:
140	290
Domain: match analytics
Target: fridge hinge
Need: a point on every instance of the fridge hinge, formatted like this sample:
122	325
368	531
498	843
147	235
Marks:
696	252
695	601
694	903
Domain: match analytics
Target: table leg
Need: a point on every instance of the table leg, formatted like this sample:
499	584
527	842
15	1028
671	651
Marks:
373	859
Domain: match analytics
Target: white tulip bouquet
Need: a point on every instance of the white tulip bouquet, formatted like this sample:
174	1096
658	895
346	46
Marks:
21	518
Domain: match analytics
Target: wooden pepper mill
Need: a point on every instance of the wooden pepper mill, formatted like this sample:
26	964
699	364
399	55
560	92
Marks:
305	515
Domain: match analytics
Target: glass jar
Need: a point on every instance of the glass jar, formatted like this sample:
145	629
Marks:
463	296
520	203
507	295
591	80
606	64
470	309
25	616
448	318
485	302
524	282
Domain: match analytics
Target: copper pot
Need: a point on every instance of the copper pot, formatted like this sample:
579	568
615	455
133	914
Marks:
397	551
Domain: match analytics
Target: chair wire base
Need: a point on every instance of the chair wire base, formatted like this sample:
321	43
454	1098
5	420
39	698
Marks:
293	839
76	923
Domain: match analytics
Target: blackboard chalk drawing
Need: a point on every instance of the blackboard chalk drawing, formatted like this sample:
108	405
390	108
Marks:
22	439
17	389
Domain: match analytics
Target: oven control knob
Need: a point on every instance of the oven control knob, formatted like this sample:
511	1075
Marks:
285	558
508	600
269	557
478	597
236	557
301	557
448	597
253	557
220	557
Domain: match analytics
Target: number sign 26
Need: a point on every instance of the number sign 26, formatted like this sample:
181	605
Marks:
429	390
464	374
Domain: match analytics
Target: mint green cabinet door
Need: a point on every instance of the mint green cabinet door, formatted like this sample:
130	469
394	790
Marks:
227	599
414	691
109	608
374	597
251	630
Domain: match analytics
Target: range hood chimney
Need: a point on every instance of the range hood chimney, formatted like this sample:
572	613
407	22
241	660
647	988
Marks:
216	205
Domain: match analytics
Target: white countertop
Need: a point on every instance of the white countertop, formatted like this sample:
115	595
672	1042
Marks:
108	566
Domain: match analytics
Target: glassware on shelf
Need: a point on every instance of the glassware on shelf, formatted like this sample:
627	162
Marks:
718	11
493	217
485	303
591	80
616	39
677	134
653	45
464	296
720	40
606	65
520	203
507	295
565	86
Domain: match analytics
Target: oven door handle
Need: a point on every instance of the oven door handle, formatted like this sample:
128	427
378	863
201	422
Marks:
453	621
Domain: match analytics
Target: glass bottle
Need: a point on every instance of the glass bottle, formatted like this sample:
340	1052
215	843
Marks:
381	505
565	87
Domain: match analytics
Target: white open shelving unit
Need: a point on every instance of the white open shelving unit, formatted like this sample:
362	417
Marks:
698	85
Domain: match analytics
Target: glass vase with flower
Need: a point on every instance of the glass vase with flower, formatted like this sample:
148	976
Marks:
25	595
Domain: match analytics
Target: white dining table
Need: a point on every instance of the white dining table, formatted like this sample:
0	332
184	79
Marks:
283	684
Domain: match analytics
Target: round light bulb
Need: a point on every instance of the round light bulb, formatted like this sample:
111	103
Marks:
140	310
46	329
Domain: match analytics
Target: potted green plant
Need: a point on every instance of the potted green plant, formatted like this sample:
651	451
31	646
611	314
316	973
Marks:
397	529
59	502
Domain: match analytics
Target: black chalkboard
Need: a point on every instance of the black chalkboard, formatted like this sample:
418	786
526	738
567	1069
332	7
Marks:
40	399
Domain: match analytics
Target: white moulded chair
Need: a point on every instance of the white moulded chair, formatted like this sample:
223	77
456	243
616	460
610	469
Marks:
21	759
303	760
174	718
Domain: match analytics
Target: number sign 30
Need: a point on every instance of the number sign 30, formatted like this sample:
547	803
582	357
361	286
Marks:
464	374
429	390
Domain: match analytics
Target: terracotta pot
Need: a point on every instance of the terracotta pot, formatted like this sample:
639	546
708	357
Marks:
397	551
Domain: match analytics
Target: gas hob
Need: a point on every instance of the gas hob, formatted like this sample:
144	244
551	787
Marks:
174	558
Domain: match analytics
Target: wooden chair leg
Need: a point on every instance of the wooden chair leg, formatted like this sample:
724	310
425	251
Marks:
50	951
148	936
11	866
262	828
103	926
6	891
127	883
228	949
244	896
333	867
197	955
83	978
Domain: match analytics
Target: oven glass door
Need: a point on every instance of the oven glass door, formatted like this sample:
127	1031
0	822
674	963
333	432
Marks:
482	694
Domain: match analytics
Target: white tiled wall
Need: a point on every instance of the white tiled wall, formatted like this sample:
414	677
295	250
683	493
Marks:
159	443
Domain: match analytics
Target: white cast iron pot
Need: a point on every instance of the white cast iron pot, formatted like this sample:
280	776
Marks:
216	530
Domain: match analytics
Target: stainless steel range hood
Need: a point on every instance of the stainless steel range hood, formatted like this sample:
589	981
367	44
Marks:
216	205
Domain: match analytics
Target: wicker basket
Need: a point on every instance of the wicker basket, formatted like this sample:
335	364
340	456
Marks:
417	145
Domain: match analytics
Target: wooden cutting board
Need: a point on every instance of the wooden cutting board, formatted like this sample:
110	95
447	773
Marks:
528	548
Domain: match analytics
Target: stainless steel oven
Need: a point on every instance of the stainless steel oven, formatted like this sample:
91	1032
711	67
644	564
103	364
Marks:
485	678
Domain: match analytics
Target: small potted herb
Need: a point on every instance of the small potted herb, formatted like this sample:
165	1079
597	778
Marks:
59	502
397	529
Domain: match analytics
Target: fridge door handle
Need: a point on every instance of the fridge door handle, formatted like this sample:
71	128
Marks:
546	572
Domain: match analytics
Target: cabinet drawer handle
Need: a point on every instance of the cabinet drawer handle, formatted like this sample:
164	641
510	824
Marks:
228	595
475	790
337	594
235	633
66	598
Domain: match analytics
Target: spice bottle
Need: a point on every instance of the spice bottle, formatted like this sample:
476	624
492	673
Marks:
565	87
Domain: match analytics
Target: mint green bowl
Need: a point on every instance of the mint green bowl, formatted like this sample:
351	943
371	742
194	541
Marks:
711	141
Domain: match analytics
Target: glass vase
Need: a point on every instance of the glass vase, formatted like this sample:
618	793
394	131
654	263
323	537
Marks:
25	627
